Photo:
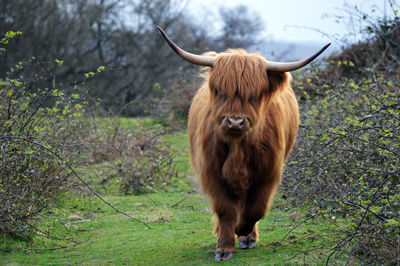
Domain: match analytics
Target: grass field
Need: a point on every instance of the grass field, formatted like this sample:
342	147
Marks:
181	229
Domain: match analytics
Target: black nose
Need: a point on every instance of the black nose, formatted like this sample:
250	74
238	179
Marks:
235	122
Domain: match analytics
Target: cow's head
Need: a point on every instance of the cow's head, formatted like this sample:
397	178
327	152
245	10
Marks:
241	84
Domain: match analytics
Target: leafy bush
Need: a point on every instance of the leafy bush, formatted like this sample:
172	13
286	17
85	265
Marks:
36	124
347	161
379	53
347	158
46	135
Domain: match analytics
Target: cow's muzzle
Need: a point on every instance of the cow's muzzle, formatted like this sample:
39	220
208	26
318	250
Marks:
235	125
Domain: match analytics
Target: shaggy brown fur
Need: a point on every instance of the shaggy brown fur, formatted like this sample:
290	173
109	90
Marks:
241	172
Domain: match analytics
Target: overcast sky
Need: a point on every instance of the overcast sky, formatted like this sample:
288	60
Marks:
291	20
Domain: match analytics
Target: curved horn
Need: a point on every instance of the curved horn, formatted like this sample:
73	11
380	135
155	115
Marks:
192	58
290	66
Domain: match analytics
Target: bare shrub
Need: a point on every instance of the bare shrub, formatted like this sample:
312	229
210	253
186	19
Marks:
172	106
147	166
136	156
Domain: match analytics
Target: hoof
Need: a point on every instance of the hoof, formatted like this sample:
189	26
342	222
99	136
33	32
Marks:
251	244
223	256
246	245
243	245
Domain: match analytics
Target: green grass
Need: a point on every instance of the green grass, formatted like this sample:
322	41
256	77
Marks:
181	233
181	228
180	145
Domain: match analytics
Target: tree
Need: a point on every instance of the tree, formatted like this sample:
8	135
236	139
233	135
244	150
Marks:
92	33
119	35
241	28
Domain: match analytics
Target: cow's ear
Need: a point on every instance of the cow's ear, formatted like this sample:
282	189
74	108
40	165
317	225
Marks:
278	80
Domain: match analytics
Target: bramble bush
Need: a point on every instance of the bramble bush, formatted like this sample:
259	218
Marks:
136	158
36	123
346	161
147	164
51	131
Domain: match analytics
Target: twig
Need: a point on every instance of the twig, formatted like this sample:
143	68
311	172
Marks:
176	204
303	252
151	200
349	239
58	248
66	163
297	225
360	207
327	219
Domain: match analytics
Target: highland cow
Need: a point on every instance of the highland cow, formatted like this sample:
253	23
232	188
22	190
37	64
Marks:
242	126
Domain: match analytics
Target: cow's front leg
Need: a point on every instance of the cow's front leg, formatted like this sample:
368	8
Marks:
246	230
248	242
254	209
226	213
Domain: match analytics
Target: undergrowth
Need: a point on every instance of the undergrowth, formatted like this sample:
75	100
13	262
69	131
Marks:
346	162
52	136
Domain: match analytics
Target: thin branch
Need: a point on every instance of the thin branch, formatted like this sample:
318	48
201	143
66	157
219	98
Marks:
359	207
349	239
67	164
297	225
176	204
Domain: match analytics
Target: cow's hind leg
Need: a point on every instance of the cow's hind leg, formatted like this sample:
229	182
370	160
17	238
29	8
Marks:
226	214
